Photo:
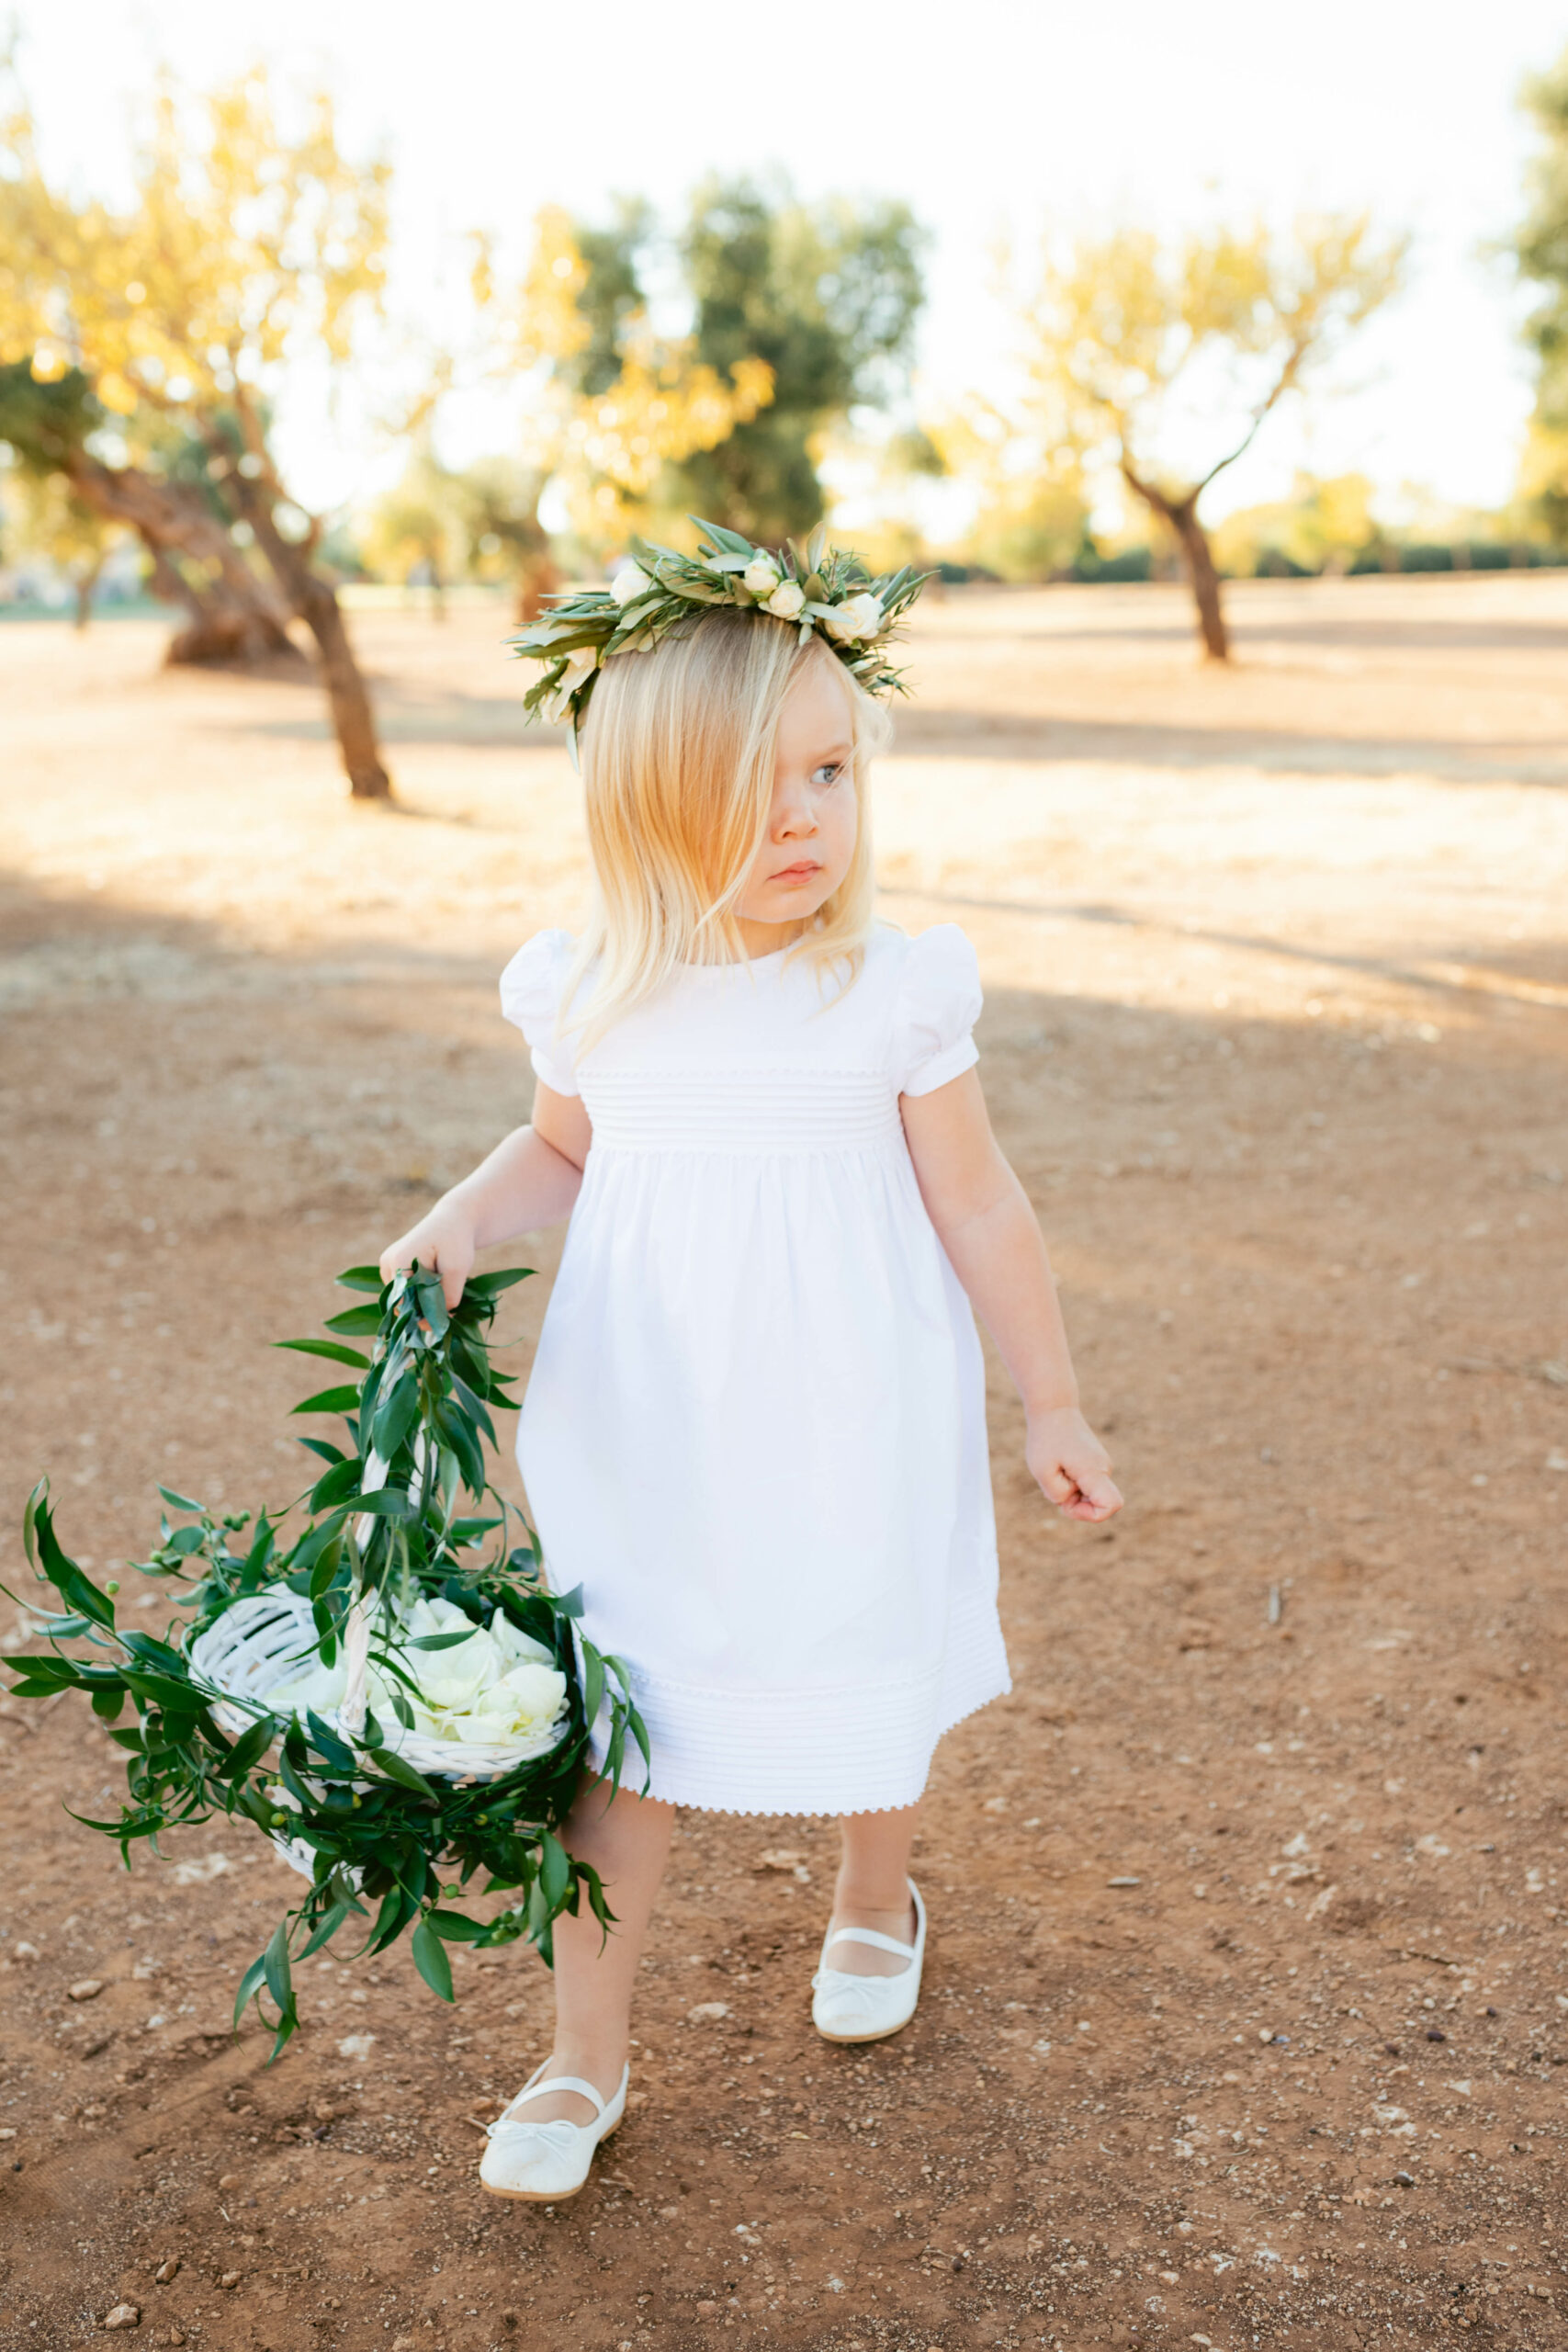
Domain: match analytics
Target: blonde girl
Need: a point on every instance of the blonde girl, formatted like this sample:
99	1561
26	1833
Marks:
754	1432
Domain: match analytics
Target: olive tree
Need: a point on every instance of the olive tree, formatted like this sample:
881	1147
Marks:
1139	347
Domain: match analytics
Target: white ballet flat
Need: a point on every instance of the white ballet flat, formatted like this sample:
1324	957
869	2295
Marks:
846	2007
547	2161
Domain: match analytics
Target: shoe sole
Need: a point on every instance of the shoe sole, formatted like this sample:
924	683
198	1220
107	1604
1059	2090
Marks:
886	2035
553	2196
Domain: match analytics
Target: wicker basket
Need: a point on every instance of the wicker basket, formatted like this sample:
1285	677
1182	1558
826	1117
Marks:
267	1639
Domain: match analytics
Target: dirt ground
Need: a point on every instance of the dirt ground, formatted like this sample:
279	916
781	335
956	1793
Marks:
1249	1908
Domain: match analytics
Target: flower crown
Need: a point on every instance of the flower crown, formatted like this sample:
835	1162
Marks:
817	587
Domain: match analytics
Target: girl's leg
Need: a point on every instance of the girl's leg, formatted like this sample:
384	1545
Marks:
874	1890
626	1841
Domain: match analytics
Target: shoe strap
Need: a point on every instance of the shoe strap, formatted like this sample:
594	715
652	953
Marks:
561	2083
869	1936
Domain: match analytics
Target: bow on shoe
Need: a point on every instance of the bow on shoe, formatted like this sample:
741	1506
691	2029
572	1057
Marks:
524	2141
850	1996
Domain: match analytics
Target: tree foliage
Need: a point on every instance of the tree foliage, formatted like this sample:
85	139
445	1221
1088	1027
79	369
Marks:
614	403
1148	350
1543	252
827	296
247	248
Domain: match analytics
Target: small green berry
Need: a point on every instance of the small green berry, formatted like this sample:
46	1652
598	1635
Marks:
113	1584
453	1890
279	1820
355	1804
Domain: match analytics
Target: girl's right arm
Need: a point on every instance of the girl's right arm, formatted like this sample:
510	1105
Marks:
530	1180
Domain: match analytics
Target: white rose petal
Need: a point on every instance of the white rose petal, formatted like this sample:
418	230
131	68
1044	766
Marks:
514	1644
761	575
580	662
786	600
629	584
857	618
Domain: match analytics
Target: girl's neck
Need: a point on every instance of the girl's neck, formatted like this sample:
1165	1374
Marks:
766	938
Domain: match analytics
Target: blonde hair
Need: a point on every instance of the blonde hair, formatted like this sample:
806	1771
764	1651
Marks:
677	756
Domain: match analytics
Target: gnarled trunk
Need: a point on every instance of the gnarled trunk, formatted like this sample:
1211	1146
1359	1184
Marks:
315	601
1182	517
235	616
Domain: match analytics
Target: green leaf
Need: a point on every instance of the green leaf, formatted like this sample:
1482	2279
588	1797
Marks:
593	1683
249	1748
396	1413
327	1744
106	1704
362	1278
329	1400
250	1984
177	1502
327	1928
555	1870
331	1349
335	1485
487	1285
392	1764
275	1966
356	1321
75	1587
386	1502
439	1640
430	1959
455	1927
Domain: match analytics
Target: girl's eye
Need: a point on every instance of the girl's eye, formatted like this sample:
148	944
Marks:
829	773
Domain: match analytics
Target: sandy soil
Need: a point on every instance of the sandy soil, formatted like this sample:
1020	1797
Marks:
1247	1988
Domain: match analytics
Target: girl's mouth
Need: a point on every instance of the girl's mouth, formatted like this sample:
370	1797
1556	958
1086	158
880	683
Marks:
797	873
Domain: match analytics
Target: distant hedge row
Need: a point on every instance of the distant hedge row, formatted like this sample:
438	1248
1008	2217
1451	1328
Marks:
1475	555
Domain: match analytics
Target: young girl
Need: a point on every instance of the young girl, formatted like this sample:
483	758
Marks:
755	1428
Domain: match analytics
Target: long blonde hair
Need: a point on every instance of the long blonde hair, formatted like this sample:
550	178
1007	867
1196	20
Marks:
677	757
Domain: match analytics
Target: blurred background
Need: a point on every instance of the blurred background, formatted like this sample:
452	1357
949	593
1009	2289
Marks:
304	307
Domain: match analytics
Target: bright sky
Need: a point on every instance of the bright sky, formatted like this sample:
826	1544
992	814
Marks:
990	115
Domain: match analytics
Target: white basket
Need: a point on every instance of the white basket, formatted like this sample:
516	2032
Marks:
269	1637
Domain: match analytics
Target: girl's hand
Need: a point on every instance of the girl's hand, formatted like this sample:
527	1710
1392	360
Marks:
1072	1466
442	1241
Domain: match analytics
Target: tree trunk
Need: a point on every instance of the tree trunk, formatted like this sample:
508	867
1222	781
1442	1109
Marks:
538	576
235	616
1205	581
315	601
85	583
1181	515
351	715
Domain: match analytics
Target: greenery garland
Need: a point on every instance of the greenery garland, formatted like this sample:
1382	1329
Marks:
817	589
383	1527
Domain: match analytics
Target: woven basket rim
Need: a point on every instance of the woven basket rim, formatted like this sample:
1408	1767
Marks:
447	1759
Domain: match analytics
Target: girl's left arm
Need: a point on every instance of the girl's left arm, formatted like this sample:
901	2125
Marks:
993	1240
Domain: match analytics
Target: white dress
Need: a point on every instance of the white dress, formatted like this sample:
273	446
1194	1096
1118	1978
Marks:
755	1429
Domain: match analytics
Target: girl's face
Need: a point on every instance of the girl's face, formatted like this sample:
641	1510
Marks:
814	818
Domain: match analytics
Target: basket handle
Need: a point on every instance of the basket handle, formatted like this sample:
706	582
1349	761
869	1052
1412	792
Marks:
357	1659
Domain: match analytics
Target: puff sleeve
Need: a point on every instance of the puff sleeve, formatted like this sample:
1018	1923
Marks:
530	990
939	1003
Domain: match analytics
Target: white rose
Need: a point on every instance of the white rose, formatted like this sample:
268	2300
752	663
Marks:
786	600
761	575
857	618
516	1646
535	1692
319	1686
629	584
